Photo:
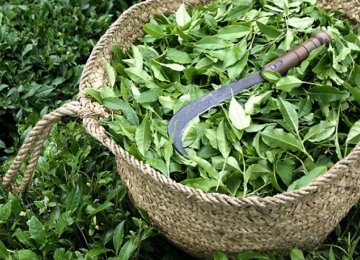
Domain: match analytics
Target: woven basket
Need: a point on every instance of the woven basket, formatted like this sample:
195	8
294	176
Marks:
195	221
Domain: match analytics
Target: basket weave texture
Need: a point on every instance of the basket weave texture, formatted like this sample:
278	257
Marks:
199	222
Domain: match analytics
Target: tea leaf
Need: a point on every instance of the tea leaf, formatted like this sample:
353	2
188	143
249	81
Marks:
296	254
320	132
354	134
271	76
327	94
288	83
212	43
279	138
237	115
305	180
289	113
110	73
118	236
220	256
222	141
270	31
233	32
178	56
143	135
204	184
154	30
301	23
182	16
128	249
26	254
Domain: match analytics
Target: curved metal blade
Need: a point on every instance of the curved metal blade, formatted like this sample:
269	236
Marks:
197	107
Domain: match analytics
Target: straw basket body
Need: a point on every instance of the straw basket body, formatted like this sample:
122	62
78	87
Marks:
201	223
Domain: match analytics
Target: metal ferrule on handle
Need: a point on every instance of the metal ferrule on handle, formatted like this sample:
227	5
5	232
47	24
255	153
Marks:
294	57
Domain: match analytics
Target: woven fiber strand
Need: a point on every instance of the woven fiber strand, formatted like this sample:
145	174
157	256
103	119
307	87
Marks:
198	222
201	223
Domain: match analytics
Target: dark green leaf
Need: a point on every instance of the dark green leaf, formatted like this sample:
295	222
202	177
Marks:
269	31
327	94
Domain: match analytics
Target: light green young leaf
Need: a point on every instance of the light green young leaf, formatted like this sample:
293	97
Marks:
271	76
173	66
301	23
286	44
212	172
36	229
148	96
289	113
182	16
252	105
115	103
5	211
110	71
26	254
279	138
107	92
288	83
234	54
154	30
94	94
138	59
212	43
296	254
306	179
200	183
177	56
321	131
157	71
139	77
354	134
235	70
211	136
233	32
238	116
168	153
222	140
143	135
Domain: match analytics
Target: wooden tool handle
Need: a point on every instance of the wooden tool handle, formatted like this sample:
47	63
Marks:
294	57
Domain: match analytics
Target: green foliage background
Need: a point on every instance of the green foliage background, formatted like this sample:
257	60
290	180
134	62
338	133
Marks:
76	206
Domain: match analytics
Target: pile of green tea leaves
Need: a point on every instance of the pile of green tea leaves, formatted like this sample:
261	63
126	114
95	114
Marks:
276	136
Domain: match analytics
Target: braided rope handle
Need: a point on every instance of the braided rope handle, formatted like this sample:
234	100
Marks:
32	146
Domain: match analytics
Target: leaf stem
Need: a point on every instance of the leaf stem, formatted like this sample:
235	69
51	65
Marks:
303	146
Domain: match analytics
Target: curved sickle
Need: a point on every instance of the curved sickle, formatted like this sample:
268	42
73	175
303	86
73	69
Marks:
197	107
